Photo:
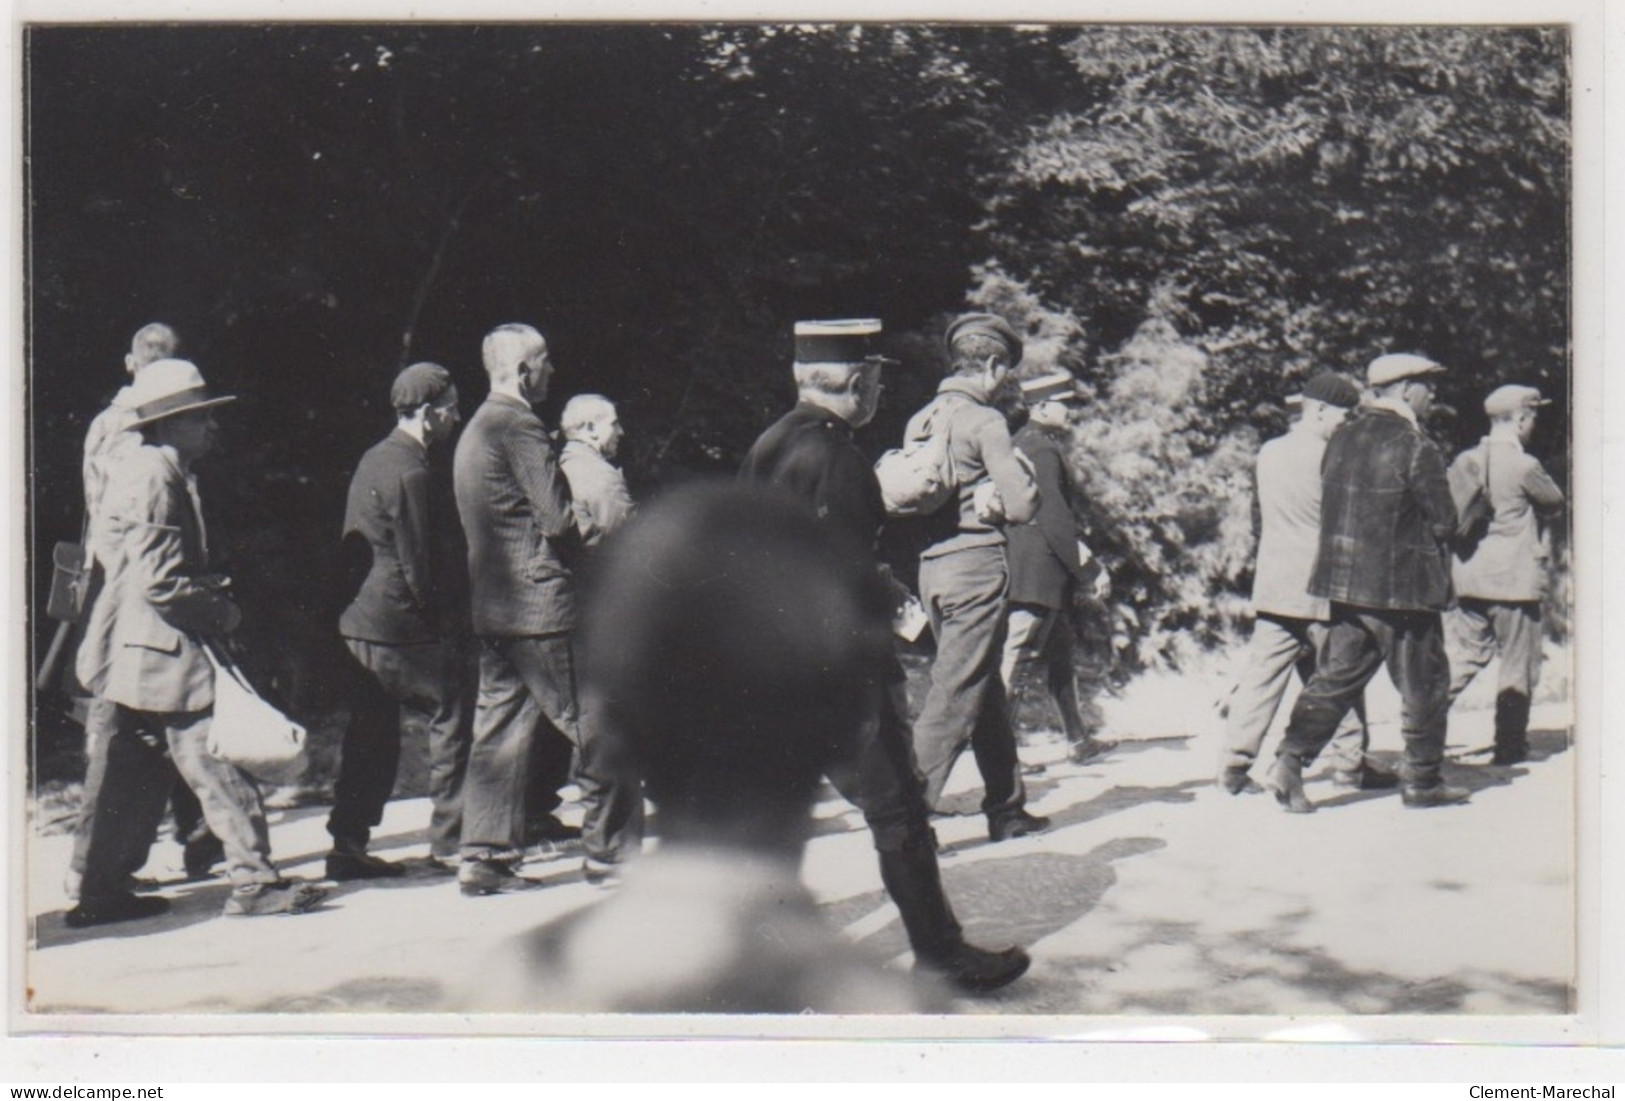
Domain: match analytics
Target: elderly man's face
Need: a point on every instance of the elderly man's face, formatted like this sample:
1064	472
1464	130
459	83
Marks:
866	388
609	433
440	420
192	435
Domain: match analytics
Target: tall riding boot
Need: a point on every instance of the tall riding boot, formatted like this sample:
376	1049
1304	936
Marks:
914	882
1511	727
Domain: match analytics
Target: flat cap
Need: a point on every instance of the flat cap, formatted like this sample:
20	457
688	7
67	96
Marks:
847	340
1331	388
984	324
417	384
1054	386
1399	365
1510	399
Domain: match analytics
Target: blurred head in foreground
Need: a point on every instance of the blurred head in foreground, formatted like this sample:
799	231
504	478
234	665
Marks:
734	644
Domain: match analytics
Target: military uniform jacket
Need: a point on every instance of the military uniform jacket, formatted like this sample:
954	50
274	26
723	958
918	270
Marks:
1511	560
142	645
1385	516
1043	555
515	507
392	507
810	453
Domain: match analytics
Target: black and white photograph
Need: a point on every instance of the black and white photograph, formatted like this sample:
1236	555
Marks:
899	527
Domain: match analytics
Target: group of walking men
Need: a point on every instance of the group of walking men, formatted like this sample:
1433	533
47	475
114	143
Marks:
1368	555
1351	572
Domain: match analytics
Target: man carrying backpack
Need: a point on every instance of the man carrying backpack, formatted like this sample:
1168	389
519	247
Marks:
963	578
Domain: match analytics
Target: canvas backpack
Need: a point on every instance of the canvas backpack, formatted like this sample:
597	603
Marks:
918	478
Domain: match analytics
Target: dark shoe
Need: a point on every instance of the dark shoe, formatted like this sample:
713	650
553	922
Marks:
342	866
201	854
117	908
1439	795
1365	778
490	877
977	970
1505	758
1082	753
1234	780
1285	780
282	897
1015	824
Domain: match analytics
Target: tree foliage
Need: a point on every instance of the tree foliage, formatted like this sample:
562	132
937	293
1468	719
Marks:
1191	218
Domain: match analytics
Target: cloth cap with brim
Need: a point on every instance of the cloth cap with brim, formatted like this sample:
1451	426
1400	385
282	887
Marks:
1510	399
1400	365
1329	388
168	387
1055	386
985	324
848	340
417	385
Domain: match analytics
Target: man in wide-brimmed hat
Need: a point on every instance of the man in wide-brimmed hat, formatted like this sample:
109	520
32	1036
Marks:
108	441
144	652
1386	518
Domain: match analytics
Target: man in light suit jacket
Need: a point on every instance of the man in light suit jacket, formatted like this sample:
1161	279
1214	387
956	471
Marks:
517	517
143	652
598	493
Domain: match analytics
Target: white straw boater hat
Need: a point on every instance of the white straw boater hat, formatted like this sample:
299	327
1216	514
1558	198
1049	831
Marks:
166	387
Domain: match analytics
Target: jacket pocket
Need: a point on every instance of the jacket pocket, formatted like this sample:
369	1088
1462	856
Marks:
156	635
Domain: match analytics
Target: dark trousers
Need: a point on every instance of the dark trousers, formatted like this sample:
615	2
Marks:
138	782
100	723
964	594
1358	642
394	684
882	781
527	684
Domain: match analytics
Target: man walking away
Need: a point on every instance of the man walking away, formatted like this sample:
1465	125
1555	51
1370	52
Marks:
1049	563
1499	581
1290	628
963	578
1386	516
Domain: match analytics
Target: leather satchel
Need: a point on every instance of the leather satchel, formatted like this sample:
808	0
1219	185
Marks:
1474	509
249	731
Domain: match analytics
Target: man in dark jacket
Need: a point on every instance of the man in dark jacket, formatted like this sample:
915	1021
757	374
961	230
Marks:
401	627
810	454
517	517
1049	563
1386	518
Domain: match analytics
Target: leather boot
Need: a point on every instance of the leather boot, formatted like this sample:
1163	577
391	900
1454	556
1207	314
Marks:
1285	779
914	882
1511	728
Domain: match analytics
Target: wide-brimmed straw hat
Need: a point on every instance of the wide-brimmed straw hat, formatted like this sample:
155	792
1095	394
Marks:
167	387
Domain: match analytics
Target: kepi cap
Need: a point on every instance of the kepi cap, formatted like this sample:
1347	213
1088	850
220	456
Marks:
848	340
1331	388
1510	399
417	384
1397	366
1055	386
166	387
984	324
